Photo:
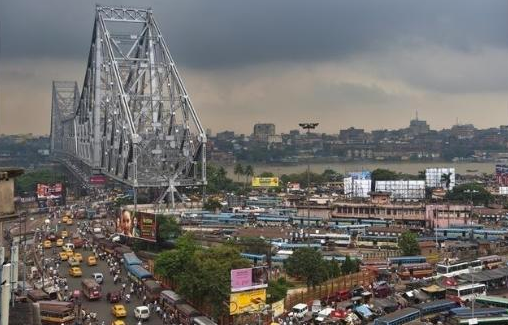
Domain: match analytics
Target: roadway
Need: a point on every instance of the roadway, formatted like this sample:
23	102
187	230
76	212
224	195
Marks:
102	307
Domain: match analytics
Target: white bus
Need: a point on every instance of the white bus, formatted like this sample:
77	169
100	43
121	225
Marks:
339	239
454	269
467	292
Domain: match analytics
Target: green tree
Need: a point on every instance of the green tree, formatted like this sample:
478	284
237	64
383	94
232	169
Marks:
27	183
349	266
266	174
212	204
253	245
408	244
238	171
307	264
277	290
249	172
331	175
466	192
446	180
171	263
168	227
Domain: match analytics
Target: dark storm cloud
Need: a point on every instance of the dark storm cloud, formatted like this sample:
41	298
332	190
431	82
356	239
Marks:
231	33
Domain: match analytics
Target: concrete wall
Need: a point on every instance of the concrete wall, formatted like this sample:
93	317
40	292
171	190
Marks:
6	196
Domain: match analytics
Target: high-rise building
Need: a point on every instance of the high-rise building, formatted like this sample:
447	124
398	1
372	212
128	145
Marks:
417	127
262	131
353	136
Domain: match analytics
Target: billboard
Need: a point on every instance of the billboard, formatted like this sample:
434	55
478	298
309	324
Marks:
502	174
97	180
265	181
50	195
249	278
142	225
357	188
278	308
434	177
360	175
247	301
403	190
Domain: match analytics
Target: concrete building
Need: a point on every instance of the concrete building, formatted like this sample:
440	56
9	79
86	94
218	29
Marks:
417	127
463	131
7	176
262	131
353	136
403	214
445	215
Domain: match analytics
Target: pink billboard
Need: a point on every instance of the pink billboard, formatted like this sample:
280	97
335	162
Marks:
249	278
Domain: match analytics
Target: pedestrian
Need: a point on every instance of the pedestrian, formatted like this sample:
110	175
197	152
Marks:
144	300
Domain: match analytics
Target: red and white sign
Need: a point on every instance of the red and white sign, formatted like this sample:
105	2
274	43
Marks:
98	180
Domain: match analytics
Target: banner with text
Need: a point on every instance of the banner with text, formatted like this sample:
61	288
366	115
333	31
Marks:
247	301
249	278
265	181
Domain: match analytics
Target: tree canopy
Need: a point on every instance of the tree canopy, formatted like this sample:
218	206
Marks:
466	192
27	183
308	265
168	227
408	244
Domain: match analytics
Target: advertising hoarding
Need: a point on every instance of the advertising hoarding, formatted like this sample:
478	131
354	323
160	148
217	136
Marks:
50	195
249	278
142	225
365	174
357	188
403	189
434	177
97	180
265	181
278	308
247	301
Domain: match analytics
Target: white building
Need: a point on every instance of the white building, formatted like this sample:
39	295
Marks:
357	188
434	177
402	189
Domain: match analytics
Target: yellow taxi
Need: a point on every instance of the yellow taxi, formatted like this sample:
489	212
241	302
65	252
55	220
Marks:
73	262
64	234
69	254
63	256
69	221
47	244
118	310
65	219
117	322
59	242
75	271
91	260
78	257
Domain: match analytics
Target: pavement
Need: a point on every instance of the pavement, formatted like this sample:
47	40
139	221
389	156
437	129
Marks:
102	307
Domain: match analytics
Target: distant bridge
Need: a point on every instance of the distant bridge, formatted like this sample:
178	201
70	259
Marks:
133	120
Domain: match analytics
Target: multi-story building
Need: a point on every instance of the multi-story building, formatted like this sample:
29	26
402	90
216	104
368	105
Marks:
262	131
353	136
417	127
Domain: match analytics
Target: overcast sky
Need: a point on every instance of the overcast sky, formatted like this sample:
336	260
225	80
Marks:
369	64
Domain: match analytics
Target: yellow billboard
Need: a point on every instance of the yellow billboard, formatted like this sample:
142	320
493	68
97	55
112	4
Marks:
278	308
247	301
265	181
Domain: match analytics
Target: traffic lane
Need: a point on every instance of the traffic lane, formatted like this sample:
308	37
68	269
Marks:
102	307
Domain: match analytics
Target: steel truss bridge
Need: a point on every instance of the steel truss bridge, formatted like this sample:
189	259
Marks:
133	120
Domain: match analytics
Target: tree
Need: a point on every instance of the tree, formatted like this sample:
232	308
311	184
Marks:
381	174
249	172
238	171
266	174
408	244
349	266
307	264
28	182
331	175
212	204
446	180
254	245
277	290
466	192
168	227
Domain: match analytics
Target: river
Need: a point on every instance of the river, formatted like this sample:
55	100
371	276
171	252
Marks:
345	167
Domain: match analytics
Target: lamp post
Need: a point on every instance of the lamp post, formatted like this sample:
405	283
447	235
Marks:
308	127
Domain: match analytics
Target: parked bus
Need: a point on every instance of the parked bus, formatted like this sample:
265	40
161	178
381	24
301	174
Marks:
499	320
202	320
56	312
131	259
436	307
153	290
372	241
170	299
394	261
464	312
467	292
338	239
491	262
91	289
186	313
457	268
137	274
399	317
416	270
492	301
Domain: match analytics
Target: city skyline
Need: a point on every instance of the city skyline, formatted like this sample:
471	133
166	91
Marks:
360	63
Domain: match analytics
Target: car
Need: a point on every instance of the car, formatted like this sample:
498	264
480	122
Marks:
64	234
91	260
47	244
141	313
78	257
117	322
118	310
51	237
114	297
69	254
98	277
75	271
69	221
63	256
73	261
68	247
65	219
59	242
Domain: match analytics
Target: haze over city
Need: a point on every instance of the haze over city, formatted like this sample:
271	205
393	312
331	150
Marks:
367	64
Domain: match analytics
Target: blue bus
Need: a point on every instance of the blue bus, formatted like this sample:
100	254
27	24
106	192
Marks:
463	312
436	306
131	259
407	260
137	273
399	317
255	258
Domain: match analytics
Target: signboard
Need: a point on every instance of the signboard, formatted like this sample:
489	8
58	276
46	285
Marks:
142	225
278	308
97	179
265	181
249	278
247	301
49	195
360	175
293	186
